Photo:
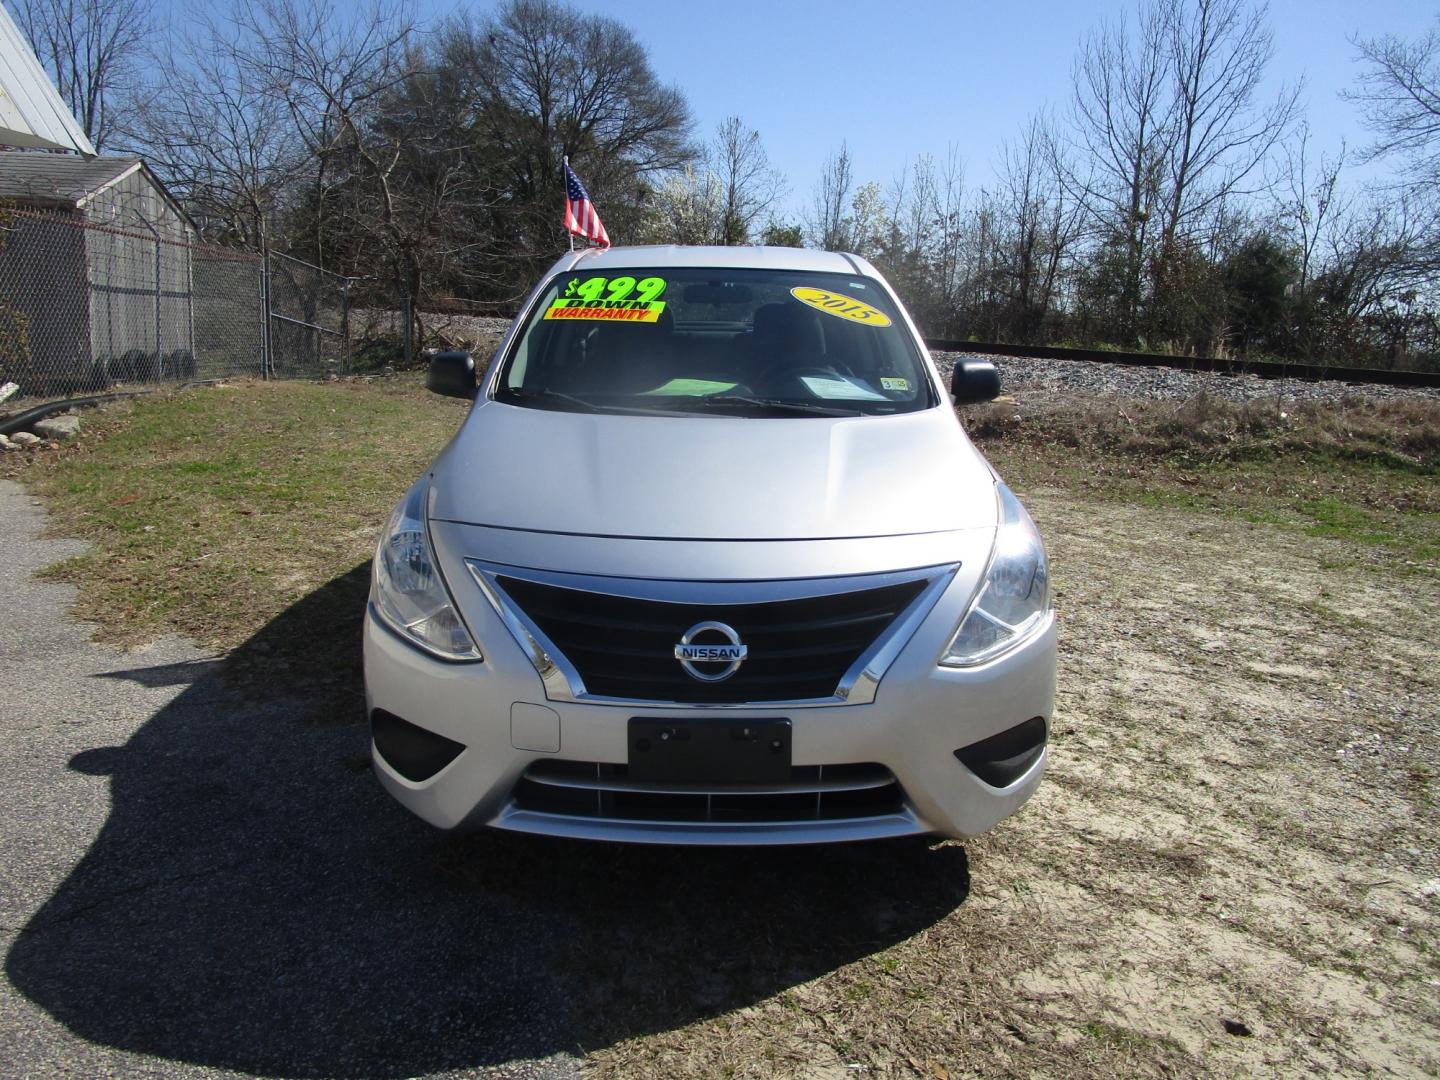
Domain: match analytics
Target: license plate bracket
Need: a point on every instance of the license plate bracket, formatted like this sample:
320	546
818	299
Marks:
723	752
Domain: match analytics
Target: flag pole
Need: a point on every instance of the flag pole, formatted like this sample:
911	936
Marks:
565	178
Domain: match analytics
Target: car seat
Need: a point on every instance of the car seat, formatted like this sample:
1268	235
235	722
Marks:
629	357
787	338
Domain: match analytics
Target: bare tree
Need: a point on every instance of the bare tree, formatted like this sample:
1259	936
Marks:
950	243
829	225
870	223
914	215
1310	201
243	112
327	61
721	198
1373	273
1218	51
1168	130
749	186
1122	140
1039	224
1399	96
912	231
90	48
212	125
331	65
414	196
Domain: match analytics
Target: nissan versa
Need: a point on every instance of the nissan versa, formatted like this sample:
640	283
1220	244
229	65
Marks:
711	561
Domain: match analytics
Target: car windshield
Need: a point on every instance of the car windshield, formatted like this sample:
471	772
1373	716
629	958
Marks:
716	342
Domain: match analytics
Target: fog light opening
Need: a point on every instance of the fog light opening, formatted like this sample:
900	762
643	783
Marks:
1002	759
412	751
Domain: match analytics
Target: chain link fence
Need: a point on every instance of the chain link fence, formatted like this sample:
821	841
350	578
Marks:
309	324
383	335
391	331
85	307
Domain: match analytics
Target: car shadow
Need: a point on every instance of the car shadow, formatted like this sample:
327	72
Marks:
255	903
185	673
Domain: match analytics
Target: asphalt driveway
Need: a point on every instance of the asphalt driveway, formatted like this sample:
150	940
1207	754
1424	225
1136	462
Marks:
189	879
200	880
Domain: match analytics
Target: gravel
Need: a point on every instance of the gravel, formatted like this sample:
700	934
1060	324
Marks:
1020	374
466	329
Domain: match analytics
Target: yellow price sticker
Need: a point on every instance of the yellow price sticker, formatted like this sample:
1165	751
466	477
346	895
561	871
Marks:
840	305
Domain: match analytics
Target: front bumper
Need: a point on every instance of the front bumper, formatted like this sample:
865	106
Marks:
922	714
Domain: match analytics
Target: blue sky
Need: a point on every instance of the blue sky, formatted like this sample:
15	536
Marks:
902	78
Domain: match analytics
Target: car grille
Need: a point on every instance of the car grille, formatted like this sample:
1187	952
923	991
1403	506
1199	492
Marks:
814	793
623	646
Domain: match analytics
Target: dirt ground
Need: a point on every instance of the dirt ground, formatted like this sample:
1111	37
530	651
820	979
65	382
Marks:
1231	868
1239	824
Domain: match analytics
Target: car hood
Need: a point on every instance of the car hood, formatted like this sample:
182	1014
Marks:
730	478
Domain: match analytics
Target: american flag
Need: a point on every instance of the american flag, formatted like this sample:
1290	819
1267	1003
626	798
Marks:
580	216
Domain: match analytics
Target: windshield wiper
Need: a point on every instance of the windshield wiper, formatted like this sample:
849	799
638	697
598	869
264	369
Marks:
551	399
745	401
554	399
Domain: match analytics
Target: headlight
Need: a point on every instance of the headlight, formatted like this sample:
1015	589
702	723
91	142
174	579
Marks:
1014	597
407	588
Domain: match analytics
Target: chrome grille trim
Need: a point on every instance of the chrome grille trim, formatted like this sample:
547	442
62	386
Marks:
858	686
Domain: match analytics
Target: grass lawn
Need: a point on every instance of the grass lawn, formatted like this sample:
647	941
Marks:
1364	472
212	510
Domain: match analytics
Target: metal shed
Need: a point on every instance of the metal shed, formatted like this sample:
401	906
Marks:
96	265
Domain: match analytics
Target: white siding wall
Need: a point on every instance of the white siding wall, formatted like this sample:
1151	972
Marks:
138	255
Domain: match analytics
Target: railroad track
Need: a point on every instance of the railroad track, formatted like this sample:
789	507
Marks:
1259	368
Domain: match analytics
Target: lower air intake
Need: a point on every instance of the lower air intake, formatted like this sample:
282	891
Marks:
412	751
812	793
1002	759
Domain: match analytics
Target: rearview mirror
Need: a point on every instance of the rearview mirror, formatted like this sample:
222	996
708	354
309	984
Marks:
974	381
452	374
717	293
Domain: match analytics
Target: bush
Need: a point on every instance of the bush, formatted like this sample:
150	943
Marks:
14	345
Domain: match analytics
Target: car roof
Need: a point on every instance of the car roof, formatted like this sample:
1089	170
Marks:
748	257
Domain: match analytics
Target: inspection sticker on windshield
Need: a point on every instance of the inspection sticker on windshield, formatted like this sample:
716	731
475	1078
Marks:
840	305
894	384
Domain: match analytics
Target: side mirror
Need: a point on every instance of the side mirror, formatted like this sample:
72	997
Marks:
452	374
974	381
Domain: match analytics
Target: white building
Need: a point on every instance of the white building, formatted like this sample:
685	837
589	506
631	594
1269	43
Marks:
32	113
